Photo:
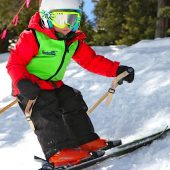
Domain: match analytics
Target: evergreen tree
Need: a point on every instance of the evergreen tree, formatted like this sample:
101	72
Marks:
109	19
8	11
140	20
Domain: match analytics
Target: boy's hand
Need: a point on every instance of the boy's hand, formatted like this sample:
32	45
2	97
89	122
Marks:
28	89
128	78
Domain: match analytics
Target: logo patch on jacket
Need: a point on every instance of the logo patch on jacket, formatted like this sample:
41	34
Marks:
49	52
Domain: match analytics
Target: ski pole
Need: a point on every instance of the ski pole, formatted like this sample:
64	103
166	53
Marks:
28	112
8	106
117	81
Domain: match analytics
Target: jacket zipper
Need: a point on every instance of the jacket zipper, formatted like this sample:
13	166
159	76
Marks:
61	64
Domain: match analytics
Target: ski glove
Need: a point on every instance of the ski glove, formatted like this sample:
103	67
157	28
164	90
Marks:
128	78
28	89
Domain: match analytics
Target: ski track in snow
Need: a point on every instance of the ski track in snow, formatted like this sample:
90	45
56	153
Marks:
137	109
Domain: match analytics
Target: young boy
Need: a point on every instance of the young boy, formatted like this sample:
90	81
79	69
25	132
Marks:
37	65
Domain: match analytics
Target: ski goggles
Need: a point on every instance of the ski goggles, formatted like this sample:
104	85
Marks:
62	19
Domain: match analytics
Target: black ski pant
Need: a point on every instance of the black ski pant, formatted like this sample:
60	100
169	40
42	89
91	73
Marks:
60	119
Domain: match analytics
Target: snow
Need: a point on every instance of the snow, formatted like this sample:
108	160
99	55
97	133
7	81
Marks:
136	110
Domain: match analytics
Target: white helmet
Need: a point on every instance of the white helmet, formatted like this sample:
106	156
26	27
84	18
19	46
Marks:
48	5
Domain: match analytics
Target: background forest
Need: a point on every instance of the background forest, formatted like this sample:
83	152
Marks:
116	21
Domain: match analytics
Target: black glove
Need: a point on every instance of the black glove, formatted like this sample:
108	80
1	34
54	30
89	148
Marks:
28	89
130	70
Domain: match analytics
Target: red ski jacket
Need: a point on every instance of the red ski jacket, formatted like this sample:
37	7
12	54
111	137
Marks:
27	47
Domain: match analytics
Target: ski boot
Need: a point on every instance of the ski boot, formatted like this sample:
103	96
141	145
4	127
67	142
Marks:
100	144
67	157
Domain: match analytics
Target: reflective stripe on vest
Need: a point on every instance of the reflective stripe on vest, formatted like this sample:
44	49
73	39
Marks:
52	59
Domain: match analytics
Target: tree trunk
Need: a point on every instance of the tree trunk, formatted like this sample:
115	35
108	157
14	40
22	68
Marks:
40	2
162	23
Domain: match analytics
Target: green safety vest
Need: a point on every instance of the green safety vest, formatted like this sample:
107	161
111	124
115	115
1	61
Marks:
52	59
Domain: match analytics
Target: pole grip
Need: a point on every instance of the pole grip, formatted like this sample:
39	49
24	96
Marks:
117	81
130	70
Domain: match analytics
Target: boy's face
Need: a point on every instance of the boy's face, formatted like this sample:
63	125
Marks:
64	30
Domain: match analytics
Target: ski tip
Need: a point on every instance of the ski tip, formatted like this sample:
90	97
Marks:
38	159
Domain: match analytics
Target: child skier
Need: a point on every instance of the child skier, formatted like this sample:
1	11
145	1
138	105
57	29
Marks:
37	65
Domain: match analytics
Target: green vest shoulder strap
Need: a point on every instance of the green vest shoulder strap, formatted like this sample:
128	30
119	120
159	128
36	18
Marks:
33	31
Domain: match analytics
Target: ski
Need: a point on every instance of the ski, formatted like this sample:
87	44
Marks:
123	149
118	151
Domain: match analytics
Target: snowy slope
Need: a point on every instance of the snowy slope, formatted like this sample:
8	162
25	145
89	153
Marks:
137	109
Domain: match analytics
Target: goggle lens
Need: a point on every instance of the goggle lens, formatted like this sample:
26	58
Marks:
62	19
